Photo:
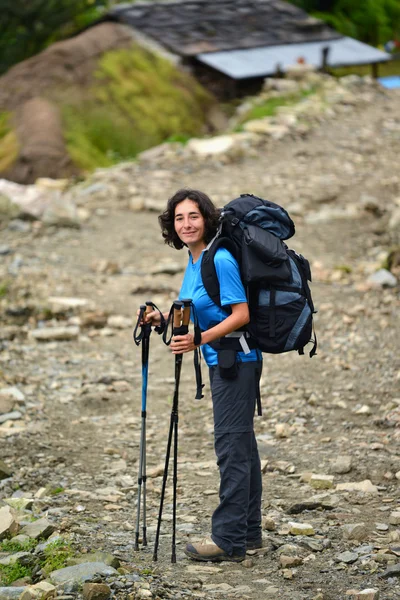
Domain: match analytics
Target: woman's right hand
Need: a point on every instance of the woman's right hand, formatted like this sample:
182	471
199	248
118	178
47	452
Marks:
153	317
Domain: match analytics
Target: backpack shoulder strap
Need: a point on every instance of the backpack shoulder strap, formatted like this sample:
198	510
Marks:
208	270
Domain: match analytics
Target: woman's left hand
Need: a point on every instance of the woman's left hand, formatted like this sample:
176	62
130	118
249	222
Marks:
182	343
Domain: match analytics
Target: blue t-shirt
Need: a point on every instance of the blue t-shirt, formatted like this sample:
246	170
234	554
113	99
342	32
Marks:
231	292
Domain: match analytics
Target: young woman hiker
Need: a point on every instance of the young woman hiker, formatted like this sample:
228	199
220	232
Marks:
190	220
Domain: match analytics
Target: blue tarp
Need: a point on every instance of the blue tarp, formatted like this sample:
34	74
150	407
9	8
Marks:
392	83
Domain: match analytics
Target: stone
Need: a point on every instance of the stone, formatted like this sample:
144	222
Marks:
8	209
394	518
41	528
155	471
342	464
60	304
265	127
119	322
170	268
368	594
223	587
8	333
268	524
12	416
61	212
40	591
11	593
358	486
271	591
104	557
382	278
289	550
287	573
300	71
355	531
301	529
248	563
211	146
8	523
50	334
6	404
19	504
96	591
290	561
321	482
5	471
392	571
16	557
327	501
94	318
347	557
81	573
282	430
12	392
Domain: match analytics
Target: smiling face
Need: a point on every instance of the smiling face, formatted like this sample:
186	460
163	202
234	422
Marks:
189	223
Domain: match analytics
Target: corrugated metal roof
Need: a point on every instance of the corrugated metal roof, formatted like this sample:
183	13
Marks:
260	62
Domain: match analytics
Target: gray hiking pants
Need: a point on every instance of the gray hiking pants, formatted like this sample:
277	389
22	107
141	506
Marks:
238	516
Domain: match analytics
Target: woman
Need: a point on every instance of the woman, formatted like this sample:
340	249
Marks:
191	219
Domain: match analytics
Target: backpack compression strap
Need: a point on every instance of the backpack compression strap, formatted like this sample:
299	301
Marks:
303	268
208	271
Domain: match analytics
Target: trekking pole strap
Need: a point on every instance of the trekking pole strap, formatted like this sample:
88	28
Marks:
145	328
139	323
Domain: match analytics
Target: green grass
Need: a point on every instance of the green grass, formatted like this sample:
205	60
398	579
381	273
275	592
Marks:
12	546
11	573
4	288
57	554
138	100
9	146
57	490
270	106
384	69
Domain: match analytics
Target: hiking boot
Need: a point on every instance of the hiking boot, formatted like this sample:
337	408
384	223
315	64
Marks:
255	544
209	552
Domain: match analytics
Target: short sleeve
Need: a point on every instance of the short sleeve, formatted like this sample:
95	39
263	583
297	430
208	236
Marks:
230	283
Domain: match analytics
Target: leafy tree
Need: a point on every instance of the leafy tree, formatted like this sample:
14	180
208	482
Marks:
372	21
28	26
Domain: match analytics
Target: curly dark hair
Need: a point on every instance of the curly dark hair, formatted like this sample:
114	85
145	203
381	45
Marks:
209	212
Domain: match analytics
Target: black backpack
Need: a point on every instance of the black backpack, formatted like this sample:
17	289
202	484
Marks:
275	277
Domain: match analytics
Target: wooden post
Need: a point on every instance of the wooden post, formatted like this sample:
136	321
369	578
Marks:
325	54
375	70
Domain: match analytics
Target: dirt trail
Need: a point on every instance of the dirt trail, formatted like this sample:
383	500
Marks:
83	397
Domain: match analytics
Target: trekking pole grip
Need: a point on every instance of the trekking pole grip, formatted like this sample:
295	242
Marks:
177	308
186	312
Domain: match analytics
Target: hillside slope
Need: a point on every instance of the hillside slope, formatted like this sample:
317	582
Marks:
91	101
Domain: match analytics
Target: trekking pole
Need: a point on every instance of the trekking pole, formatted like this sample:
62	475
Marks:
144	338
181	315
